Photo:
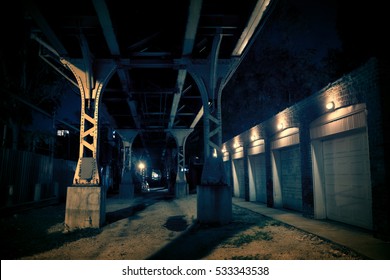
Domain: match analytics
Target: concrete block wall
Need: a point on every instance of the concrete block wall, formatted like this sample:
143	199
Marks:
368	85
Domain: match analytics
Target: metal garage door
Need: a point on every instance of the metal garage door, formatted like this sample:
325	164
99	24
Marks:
347	180
240	173
258	170
291	178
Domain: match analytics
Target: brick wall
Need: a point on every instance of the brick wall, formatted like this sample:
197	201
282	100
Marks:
367	85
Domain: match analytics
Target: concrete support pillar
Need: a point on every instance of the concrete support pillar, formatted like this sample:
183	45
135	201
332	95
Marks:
181	186
86	198
86	209
214	195
214	204
126	187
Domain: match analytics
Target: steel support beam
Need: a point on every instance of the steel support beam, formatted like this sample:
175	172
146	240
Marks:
180	135
249	31
46	29
209	78
87	171
126	188
109	34
188	45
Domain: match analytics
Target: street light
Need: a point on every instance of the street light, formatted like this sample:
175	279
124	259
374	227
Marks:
142	167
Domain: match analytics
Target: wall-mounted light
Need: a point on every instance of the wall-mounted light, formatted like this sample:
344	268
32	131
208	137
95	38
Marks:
224	149
254	137
236	145
215	154
330	105
280	126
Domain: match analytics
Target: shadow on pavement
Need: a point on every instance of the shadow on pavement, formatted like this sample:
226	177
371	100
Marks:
37	230
140	202
199	240
42	229
176	223
114	216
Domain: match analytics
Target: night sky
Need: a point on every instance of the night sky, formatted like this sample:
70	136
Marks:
304	46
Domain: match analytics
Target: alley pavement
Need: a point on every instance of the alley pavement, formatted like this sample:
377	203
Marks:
359	240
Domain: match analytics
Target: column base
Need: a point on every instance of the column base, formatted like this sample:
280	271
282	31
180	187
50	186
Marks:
85	207
126	191
126	187
214	204
181	189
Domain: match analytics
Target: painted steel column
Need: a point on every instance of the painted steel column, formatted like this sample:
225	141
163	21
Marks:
86	199
91	88
214	97
211	91
180	135
214	198
209	77
126	187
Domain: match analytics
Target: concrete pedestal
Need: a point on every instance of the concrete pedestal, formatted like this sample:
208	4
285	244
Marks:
85	207
126	187
181	189
214	204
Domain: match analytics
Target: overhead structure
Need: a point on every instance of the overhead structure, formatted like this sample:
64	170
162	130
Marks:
155	66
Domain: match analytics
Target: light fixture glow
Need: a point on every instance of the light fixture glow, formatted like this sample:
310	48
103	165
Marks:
280	126
141	166
236	145
155	175
215	154
330	105
254	137
62	132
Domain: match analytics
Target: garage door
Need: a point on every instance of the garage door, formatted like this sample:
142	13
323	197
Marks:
291	178
347	180
258	170
240	173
